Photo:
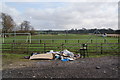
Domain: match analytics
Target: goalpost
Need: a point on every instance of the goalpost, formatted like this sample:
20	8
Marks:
14	34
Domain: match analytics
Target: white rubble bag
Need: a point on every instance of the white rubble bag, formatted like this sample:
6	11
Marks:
52	52
67	53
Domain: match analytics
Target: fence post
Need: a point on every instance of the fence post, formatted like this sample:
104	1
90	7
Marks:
119	44
44	47
101	49
62	46
40	41
28	46
13	45
91	40
65	41
78	41
104	40
52	41
3	38
118	40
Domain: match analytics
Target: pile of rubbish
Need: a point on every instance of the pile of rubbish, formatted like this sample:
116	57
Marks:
64	55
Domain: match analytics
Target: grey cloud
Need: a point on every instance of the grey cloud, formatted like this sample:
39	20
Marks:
71	15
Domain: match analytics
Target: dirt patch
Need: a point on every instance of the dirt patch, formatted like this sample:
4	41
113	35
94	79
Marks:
102	67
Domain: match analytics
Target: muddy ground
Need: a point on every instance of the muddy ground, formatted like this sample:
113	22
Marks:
102	67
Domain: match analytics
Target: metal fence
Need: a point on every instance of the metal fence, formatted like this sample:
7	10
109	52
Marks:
74	45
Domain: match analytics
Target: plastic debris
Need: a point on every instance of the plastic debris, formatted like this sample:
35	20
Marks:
97	67
68	53
104	72
57	56
65	59
51	51
64	55
26	57
34	53
70	59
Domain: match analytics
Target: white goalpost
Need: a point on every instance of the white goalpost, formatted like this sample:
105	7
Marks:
15	34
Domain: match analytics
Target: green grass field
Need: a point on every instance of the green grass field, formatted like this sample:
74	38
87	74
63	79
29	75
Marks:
15	48
72	42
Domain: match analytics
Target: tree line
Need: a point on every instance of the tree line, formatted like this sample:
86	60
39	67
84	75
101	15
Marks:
79	31
102	31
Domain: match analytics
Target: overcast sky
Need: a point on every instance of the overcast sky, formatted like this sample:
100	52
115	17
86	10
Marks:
64	15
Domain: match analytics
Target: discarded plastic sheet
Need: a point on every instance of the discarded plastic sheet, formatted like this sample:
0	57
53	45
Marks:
70	59
34	53
65	59
51	51
57	56
67	53
26	57
42	56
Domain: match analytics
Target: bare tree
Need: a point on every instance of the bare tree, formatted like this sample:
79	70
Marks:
25	26
7	23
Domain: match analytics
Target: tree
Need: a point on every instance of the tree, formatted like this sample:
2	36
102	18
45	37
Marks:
25	26
7	23
117	31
